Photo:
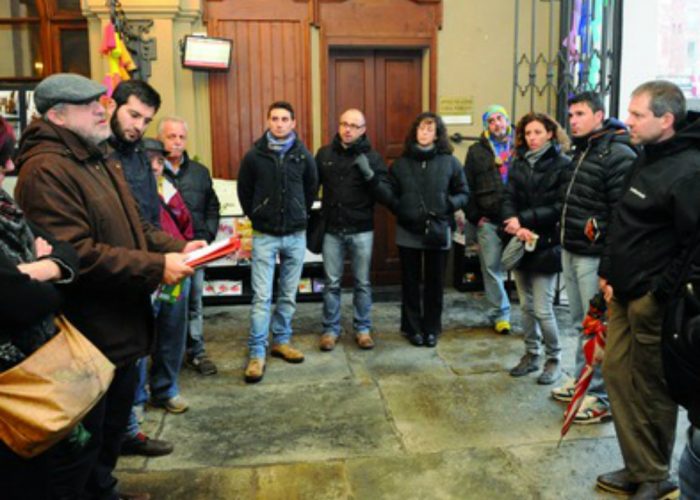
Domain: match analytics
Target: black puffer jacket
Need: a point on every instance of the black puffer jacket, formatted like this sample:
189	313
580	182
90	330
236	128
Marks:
348	199
277	193
485	184
533	195
656	217
194	184
426	182
594	185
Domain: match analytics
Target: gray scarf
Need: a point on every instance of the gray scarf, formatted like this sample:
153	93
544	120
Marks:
533	157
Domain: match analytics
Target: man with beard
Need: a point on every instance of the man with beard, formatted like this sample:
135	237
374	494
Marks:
486	169
602	156
276	187
350	174
136	103
67	188
650	234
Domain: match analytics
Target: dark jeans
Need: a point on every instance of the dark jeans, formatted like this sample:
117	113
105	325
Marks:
87	473
22	478
427	266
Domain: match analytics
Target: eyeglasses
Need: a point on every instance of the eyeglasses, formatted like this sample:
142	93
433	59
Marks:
352	126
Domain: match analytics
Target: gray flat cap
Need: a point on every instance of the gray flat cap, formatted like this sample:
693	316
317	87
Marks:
65	88
154	145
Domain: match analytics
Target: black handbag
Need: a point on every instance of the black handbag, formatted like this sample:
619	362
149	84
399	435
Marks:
315	231
436	230
680	337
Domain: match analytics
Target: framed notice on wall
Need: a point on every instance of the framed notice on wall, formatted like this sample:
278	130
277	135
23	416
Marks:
206	53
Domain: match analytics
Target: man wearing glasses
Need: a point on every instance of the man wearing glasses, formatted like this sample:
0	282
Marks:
350	173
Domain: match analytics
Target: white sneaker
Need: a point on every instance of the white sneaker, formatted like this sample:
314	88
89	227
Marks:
565	393
592	411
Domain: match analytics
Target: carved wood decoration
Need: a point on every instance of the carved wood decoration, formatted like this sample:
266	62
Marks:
270	62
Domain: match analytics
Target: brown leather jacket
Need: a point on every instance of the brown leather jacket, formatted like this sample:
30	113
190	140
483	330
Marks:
66	187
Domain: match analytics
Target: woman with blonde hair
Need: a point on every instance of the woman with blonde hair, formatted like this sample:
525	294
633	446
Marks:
531	211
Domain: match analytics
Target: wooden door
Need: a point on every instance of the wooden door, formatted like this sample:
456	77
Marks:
387	86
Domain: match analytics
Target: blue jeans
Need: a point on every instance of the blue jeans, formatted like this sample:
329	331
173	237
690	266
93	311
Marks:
291	249
581	277
536	295
334	249
166	360
689	467
195	337
490	250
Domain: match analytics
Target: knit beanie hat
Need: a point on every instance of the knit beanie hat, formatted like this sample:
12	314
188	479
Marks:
7	141
492	110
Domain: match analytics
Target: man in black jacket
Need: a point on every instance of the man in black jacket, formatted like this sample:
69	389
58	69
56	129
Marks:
350	172
486	169
277	184
649	235
136	103
602	156
193	182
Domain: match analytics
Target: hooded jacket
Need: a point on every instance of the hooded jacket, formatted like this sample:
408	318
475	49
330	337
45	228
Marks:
600	163
348	199
67	188
533	195
656	217
426	182
276	193
485	183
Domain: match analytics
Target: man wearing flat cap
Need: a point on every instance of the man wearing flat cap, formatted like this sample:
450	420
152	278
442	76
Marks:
67	188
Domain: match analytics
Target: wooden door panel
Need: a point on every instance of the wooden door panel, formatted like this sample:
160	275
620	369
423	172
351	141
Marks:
353	80
269	64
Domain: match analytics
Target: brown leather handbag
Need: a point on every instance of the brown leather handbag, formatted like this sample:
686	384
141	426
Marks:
46	395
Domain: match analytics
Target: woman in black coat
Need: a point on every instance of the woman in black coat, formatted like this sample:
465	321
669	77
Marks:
427	187
531	211
31	265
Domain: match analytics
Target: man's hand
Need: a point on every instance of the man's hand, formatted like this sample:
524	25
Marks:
606	289
194	245
43	248
362	164
175	269
511	225
41	270
482	221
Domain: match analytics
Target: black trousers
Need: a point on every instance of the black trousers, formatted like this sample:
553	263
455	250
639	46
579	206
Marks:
87	472
22	478
427	266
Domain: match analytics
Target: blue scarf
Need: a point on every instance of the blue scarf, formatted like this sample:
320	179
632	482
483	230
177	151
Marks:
280	146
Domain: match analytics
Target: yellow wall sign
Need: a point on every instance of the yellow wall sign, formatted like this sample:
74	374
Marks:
456	110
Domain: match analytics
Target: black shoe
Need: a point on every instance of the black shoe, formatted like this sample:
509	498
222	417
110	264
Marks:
657	490
430	340
618	482
145	446
416	339
202	364
528	363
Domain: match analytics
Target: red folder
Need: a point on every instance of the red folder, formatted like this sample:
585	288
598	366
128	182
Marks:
213	252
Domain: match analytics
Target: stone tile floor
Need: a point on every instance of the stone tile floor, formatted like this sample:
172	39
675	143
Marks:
397	422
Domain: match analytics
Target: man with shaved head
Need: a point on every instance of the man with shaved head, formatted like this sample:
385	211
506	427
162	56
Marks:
350	173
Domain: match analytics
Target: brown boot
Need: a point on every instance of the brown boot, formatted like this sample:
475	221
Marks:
287	353
364	341
255	370
327	342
